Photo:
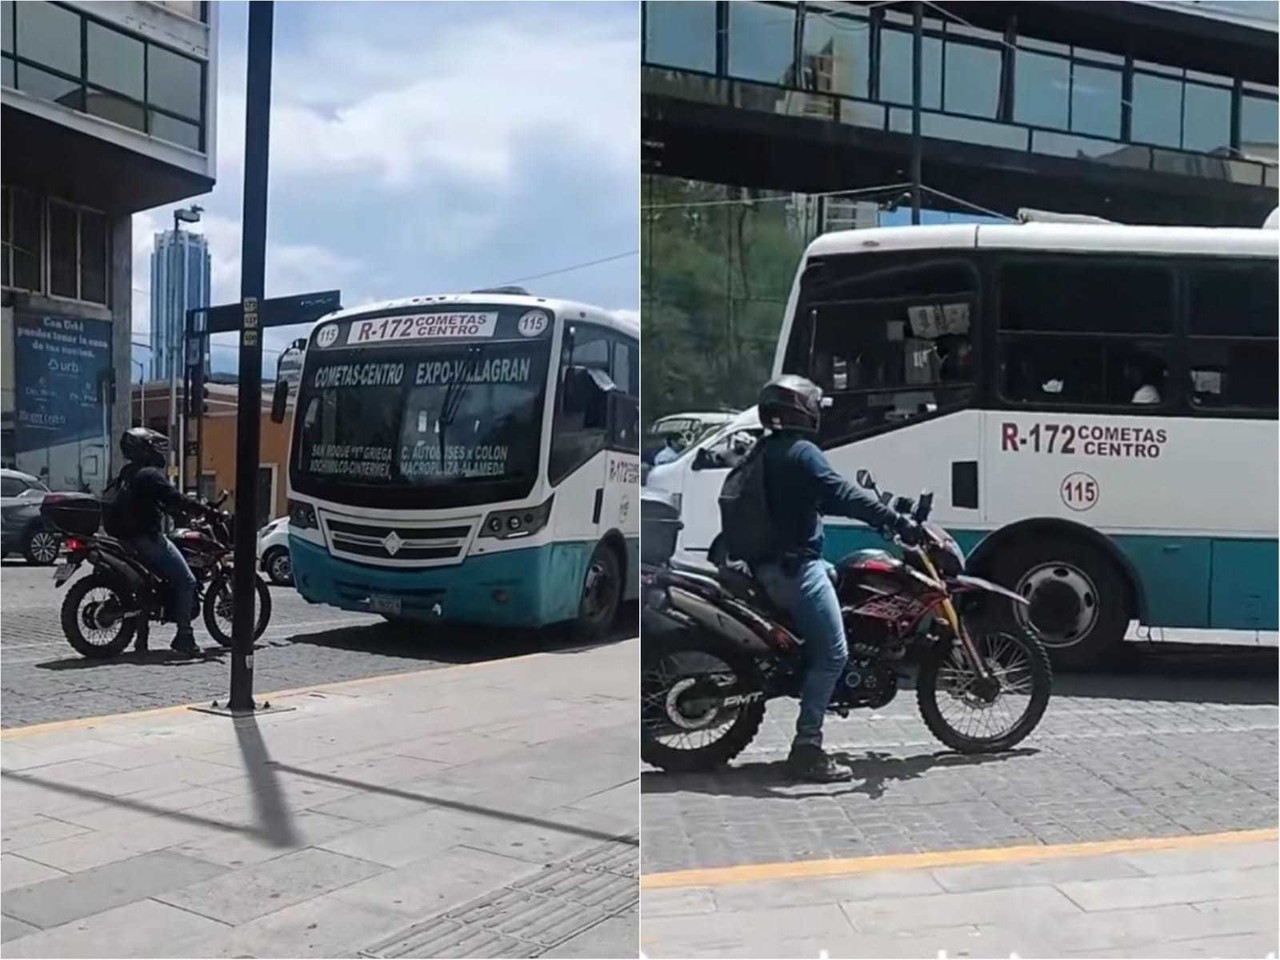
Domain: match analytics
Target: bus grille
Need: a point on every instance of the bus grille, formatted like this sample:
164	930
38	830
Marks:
399	543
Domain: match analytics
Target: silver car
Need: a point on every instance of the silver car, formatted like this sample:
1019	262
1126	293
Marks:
22	529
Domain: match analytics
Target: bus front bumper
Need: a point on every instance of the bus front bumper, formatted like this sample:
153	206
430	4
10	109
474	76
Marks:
528	587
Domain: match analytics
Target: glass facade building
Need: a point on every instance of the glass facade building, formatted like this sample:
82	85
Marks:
175	257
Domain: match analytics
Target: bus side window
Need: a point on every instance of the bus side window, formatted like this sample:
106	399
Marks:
1231	343
576	437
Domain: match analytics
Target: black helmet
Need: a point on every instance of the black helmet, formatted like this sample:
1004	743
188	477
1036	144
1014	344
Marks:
790	402
145	446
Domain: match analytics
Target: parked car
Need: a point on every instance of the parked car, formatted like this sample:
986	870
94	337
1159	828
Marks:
22	529
273	552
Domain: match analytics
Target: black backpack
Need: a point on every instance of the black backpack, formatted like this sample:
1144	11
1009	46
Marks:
119	513
746	524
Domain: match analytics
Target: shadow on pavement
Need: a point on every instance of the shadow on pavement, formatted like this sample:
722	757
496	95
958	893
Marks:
454	643
437	643
459	805
1181	672
872	773
275	824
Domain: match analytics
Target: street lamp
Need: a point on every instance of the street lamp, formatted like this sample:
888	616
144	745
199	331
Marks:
142	392
189	214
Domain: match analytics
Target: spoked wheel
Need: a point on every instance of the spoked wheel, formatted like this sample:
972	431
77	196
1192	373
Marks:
971	714
701	703
42	547
93	619
219	608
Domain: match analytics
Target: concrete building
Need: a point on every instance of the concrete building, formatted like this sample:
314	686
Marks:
107	109
180	277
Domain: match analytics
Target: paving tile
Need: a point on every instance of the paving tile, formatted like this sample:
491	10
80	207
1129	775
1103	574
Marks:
61	899
11	929
1172	888
143	929
242	895
18	871
896	914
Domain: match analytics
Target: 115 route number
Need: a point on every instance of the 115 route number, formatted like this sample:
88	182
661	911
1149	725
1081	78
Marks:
1079	491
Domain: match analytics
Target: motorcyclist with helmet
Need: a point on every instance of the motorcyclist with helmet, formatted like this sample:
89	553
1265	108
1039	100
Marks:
142	493
801	486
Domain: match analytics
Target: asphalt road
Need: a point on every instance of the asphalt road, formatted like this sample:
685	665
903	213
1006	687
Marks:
43	679
1184	741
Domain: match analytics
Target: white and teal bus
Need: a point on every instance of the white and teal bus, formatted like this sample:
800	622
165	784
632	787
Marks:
1093	405
468	458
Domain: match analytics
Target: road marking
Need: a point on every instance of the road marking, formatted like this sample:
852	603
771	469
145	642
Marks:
814	869
75	723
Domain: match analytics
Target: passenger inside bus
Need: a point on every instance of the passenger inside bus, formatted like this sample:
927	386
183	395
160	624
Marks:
1145	374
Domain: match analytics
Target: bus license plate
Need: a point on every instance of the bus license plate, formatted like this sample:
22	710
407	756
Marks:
63	573
383	604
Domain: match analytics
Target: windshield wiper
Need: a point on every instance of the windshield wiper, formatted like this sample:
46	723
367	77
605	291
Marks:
453	395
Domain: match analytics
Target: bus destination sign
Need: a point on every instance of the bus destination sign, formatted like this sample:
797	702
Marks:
459	325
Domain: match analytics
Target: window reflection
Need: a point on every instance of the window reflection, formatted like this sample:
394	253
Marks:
1042	84
973	79
1206	118
173	82
895	69
49	35
761	40
114	60
837	53
1258	124
1095	100
681	34
1157	110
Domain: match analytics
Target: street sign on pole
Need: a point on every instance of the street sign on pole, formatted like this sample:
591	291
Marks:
253	260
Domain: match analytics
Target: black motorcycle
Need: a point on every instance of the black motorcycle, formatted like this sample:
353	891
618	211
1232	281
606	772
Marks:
716	649
116	603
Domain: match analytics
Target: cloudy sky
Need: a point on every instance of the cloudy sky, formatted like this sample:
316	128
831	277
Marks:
428	148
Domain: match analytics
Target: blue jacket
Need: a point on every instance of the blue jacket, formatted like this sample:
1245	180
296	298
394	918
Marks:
802	486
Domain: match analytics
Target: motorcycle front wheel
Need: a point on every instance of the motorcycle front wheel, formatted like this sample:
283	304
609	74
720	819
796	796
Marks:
971	715
92	618
219	609
685	725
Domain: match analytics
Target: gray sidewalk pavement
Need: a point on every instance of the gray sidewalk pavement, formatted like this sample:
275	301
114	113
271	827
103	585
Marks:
488	809
1201	897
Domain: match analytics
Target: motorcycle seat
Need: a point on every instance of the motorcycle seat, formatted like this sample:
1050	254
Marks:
698	568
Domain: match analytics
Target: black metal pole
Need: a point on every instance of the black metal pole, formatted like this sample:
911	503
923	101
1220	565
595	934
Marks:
202	341
253	256
917	71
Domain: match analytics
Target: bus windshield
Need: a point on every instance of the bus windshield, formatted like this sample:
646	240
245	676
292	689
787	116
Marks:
423	417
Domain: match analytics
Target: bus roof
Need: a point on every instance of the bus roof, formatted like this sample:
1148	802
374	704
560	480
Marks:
1073	237
562	308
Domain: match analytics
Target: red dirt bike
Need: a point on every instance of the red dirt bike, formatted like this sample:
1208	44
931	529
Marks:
116	603
715	649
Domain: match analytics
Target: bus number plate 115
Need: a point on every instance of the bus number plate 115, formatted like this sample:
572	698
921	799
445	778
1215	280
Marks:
381	603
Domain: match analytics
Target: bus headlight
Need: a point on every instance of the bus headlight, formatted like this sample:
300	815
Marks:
302	515
509	524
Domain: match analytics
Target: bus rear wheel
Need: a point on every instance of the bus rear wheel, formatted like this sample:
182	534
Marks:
601	595
1077	598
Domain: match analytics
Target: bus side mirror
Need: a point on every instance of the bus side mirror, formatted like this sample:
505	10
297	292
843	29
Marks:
280	401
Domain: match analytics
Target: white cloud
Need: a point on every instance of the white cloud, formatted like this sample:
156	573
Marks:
458	104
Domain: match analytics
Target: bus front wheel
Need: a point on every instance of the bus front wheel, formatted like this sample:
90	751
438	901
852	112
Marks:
1077	598
601	595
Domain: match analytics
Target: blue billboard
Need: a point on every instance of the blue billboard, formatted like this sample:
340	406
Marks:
60	368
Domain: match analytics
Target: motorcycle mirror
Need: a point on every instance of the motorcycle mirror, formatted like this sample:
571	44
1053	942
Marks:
865	480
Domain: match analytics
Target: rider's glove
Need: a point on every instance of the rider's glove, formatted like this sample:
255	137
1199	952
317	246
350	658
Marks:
910	532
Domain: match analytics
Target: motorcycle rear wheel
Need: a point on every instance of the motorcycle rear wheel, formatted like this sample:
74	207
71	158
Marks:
945	671
74	625
660	672
217	607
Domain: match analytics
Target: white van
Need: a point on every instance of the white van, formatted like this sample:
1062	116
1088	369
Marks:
696	477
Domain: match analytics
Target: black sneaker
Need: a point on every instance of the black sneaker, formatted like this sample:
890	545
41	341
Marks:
812	763
185	643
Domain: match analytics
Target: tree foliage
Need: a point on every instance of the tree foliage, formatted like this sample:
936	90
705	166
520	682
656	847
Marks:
715	277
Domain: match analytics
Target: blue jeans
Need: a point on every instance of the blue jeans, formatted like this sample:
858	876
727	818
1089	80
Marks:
164	558
810	598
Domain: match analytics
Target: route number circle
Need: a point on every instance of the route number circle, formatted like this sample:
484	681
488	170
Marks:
532	323
327	336
1080	492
